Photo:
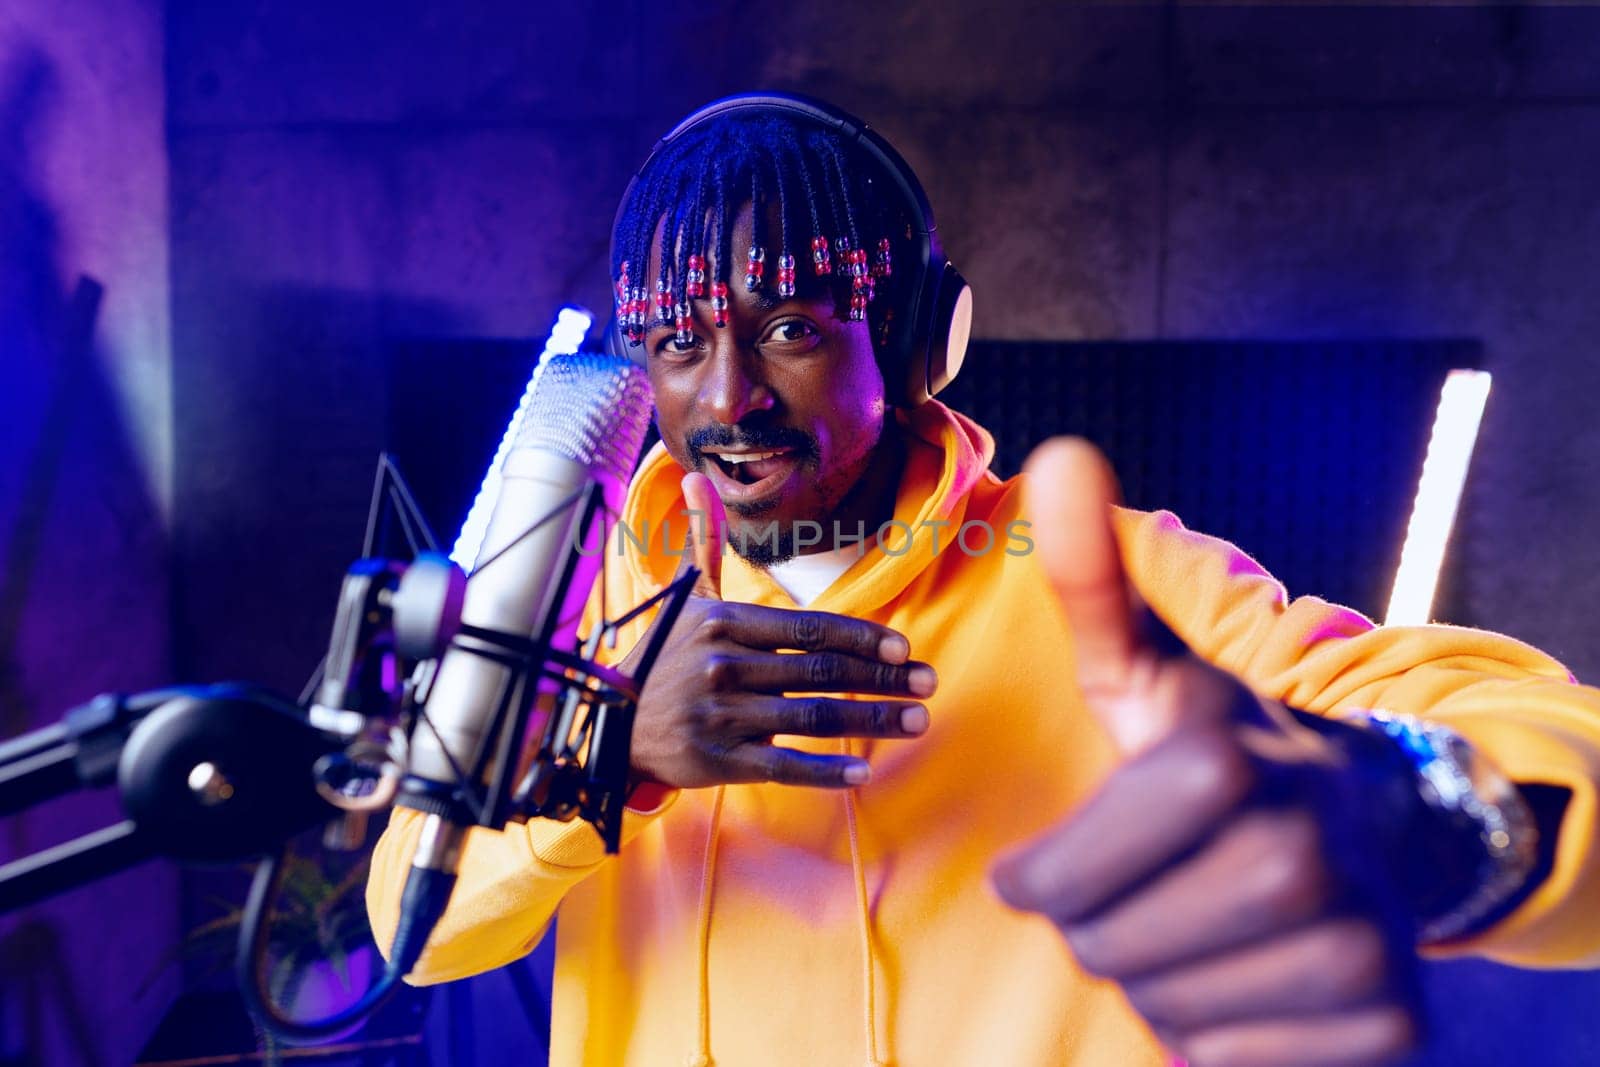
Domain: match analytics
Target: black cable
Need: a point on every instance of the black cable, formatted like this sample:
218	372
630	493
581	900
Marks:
422	902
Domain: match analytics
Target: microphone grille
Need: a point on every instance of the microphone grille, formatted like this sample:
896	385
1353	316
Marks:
592	408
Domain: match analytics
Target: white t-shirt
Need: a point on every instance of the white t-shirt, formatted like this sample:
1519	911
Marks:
805	578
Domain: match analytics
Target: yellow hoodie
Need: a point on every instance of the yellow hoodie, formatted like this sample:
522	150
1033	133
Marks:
770	925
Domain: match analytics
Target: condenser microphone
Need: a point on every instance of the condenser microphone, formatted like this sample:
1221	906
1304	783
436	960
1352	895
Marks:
585	420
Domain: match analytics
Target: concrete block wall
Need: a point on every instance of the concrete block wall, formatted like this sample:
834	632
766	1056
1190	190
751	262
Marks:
85	484
1100	172
345	176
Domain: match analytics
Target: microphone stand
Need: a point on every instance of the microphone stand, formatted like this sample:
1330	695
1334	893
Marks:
204	774
231	771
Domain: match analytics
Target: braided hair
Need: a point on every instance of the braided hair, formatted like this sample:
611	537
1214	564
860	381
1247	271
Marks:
828	197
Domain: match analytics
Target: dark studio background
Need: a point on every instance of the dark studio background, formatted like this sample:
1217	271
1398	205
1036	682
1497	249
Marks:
308	216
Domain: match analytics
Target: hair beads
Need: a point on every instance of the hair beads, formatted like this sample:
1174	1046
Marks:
677	226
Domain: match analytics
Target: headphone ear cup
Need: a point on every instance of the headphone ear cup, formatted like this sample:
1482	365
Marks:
950	329
936	354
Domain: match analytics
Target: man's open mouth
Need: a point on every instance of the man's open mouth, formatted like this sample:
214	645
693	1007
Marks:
748	468
749	477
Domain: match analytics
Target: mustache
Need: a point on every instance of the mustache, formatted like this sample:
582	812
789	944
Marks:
803	445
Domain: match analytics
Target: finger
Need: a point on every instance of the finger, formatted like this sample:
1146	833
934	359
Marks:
1120	837
825	672
1327	966
758	762
1118	643
705	538
1383	1033
827	717
1262	877
1071	489
810	631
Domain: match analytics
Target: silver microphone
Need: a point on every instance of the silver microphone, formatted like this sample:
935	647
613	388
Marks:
585	422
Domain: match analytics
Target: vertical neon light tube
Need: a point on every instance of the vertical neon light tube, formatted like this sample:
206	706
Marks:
566	336
1444	475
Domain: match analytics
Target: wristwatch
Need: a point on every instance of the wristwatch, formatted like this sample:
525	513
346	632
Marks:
1471	796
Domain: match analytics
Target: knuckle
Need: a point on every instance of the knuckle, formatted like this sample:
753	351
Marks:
715	762
807	630
882	718
1091	947
1064	894
1213	771
1291	878
718	622
713	718
888	678
776	767
822	669
720	672
867	638
817	717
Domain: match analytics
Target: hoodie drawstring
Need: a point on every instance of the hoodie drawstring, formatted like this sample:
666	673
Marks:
708	875
868	960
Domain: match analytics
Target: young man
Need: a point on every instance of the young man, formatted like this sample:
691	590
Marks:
867	770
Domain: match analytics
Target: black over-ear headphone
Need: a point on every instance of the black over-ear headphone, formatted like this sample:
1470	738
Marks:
927	340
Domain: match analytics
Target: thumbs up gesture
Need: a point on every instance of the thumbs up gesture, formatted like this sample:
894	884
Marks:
718	692
1211	875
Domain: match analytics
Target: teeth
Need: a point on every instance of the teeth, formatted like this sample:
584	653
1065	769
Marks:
747	457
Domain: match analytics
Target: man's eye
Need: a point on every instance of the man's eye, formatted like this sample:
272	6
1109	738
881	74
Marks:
670	345
791	332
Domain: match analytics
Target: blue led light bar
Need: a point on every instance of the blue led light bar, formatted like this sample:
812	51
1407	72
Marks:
566	337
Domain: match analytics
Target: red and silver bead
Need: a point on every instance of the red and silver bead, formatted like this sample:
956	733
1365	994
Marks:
684	325
695	282
883	265
754	266
636	311
820	259
786	275
719	304
622	296
663	302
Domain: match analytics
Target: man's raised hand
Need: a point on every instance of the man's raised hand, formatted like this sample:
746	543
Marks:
1207	875
718	693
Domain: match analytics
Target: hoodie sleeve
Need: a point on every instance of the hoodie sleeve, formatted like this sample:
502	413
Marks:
510	881
1518	706
509	885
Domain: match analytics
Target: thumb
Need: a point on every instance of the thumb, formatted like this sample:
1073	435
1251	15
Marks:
1120	647
704	540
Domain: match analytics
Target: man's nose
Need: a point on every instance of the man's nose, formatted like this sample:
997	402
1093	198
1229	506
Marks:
733	387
